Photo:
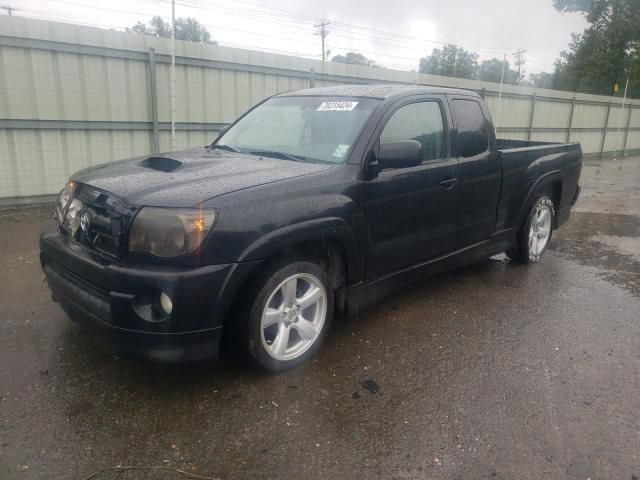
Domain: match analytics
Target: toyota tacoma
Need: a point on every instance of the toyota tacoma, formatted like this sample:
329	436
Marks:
311	202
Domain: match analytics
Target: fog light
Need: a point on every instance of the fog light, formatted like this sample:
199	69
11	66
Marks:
166	303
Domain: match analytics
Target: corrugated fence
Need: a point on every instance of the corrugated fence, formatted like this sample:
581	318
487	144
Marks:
74	96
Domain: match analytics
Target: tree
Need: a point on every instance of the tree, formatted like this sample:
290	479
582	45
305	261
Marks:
188	29
491	71
450	61
607	52
191	30
354	59
573	5
156	28
542	80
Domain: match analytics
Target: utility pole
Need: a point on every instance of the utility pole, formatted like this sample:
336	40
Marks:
519	62
323	34
9	9
626	133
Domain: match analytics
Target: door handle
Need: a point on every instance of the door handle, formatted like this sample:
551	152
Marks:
449	183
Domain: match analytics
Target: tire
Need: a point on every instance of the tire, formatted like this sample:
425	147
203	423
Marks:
533	238
289	313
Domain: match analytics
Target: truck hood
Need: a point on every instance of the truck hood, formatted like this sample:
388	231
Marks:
188	178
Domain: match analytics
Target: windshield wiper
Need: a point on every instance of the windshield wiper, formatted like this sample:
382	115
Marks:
281	155
228	148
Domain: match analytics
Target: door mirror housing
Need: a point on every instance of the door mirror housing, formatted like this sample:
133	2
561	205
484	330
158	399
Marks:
400	154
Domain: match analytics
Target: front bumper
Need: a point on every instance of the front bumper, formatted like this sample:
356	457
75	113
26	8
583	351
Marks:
109	300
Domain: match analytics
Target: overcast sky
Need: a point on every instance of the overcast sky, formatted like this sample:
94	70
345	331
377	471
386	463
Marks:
394	33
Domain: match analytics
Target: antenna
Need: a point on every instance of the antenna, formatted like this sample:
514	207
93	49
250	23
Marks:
173	75
323	34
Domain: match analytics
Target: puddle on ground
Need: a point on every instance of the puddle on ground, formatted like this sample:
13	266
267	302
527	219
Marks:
607	241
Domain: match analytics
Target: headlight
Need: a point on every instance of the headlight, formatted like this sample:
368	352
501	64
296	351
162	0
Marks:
168	232
72	219
64	199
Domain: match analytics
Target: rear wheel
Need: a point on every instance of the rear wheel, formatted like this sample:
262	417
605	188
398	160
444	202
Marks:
535	233
290	312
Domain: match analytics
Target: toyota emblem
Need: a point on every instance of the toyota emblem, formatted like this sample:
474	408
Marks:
85	221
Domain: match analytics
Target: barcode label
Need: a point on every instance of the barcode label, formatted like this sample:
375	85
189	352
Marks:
337	106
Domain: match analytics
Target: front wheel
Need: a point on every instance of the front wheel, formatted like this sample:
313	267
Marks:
290	312
535	234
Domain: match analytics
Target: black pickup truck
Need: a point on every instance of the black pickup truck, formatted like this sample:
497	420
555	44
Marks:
312	201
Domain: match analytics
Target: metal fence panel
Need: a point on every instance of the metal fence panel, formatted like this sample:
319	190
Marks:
589	116
635	118
74	96
552	114
589	141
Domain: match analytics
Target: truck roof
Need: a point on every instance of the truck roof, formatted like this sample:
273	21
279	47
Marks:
381	91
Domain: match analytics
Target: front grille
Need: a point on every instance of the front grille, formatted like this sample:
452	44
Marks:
104	221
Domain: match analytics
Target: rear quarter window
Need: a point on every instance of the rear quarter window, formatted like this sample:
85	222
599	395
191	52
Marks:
472	138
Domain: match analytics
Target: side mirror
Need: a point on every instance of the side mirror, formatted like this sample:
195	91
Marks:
400	154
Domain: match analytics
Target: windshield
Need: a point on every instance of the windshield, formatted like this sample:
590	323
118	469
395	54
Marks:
301	128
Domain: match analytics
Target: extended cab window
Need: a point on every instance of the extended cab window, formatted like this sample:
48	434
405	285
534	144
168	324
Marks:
422	122
472	138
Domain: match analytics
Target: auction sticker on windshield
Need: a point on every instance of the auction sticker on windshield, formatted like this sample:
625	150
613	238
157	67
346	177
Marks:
336	106
340	151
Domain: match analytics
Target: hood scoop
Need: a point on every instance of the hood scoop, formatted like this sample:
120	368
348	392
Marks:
162	164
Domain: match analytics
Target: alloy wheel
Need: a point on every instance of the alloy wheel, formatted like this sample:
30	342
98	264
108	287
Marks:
540	229
293	316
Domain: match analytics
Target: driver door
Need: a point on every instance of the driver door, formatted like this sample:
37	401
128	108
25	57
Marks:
410	213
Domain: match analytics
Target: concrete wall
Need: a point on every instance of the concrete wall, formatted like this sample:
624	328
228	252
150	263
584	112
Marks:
73	96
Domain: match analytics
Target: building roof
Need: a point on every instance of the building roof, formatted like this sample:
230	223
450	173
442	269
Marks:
376	91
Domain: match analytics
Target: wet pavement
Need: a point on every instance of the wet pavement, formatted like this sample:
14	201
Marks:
496	370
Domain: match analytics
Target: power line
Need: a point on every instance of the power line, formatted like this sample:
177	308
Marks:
537	61
293	21
214	26
299	18
9	9
280	20
296	23
121	28
223	27
359	27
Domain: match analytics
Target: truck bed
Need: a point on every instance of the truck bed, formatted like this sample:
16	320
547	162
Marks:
524	162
